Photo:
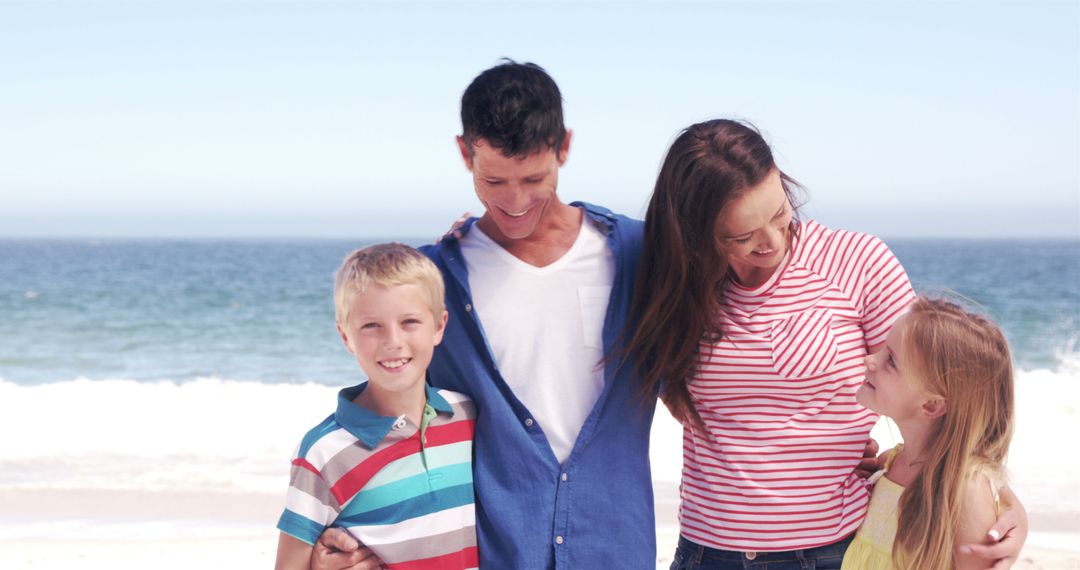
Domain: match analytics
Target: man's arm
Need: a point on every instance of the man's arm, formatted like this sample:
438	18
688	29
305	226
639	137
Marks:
336	550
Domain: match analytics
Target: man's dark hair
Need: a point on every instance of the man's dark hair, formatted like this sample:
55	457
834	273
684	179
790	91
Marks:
514	107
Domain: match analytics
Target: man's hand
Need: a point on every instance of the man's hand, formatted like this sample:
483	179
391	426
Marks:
1008	535
336	550
870	463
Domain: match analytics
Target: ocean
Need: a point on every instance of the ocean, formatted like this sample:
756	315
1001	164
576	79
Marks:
198	364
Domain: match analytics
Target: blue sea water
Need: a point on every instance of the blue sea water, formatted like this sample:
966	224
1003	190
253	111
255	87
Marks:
197	366
261	310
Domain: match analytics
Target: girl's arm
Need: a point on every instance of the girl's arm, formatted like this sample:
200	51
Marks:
292	554
1006	537
979	521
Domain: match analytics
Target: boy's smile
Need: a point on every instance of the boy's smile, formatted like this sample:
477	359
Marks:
395	365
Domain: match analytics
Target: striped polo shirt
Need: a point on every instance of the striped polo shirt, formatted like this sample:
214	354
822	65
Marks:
777	393
404	491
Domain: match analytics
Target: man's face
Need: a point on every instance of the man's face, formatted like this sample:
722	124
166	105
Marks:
515	191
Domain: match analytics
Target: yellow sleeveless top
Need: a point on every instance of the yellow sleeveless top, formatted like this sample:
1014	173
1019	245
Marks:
871	549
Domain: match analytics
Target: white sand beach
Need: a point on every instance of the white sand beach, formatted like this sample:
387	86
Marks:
182	530
204	497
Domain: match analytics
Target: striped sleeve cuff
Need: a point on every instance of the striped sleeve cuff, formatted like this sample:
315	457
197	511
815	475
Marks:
299	527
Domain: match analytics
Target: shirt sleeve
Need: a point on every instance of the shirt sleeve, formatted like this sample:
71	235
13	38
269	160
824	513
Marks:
310	507
886	292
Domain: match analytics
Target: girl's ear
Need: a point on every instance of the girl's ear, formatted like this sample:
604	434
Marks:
934	408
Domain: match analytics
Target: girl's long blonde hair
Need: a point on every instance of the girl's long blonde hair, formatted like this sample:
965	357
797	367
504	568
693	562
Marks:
963	358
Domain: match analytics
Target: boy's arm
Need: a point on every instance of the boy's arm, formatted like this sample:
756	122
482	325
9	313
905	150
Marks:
292	554
999	546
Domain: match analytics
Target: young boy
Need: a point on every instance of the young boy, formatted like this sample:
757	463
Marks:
393	465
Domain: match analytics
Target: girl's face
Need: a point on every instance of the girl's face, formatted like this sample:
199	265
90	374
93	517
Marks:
891	387
752	231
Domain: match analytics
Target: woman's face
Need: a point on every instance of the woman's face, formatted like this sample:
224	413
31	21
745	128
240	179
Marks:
752	230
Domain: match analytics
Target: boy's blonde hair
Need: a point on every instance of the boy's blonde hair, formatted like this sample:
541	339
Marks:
964	359
386	264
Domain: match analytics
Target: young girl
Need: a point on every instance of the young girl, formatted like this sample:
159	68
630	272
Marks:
945	377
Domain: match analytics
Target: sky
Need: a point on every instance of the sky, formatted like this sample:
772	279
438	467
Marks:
337	119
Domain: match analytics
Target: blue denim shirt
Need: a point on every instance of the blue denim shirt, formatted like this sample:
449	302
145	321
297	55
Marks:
594	512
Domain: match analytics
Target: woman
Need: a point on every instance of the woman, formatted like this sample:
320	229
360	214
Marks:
785	311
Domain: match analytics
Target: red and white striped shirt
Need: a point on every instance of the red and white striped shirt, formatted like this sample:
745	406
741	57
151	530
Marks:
777	393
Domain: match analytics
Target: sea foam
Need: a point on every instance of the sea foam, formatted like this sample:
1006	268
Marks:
214	433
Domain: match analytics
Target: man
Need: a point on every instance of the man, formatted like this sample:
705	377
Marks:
538	292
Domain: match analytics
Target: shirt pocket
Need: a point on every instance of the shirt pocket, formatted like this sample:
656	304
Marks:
804	345
593	302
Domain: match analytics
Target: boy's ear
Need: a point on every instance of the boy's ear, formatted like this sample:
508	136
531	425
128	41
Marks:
440	327
934	408
344	337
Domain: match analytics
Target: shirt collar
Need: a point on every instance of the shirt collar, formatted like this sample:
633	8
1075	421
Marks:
369	427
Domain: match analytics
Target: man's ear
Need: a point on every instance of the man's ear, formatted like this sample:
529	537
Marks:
934	408
466	152
564	148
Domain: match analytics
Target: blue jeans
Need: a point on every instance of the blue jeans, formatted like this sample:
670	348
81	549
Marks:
691	556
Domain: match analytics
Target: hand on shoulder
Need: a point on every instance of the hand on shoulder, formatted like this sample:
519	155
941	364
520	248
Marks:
993	525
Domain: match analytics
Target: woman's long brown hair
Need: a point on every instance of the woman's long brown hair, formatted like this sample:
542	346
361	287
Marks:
677	291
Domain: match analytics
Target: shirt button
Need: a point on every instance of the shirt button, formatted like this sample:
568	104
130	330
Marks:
400	423
751	555
528	422
564	476
559	539
468	307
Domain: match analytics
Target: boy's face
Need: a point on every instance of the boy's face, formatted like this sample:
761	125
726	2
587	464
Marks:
393	334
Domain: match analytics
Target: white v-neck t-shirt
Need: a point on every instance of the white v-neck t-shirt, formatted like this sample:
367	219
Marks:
545	325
